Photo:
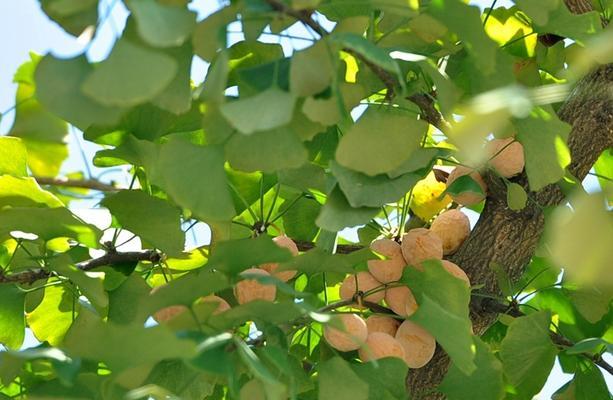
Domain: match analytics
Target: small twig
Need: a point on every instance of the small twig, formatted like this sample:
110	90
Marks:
110	258
512	309
340	249
303	16
77	183
429	113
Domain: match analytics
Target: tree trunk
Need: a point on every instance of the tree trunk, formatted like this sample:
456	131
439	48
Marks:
508	237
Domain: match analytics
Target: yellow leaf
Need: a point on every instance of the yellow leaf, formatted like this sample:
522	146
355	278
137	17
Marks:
425	202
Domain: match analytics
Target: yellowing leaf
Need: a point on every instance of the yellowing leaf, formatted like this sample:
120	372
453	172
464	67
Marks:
12	156
425	202
53	316
581	241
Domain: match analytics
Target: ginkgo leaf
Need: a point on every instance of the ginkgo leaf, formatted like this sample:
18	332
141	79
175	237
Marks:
12	322
130	75
58	83
269	109
379	142
528	354
151	218
162	25
443	311
13	156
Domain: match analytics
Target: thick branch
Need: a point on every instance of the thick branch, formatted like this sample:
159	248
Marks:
77	183
111	258
509	238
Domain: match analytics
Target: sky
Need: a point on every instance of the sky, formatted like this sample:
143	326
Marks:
24	28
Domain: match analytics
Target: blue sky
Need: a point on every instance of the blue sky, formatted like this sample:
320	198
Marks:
24	28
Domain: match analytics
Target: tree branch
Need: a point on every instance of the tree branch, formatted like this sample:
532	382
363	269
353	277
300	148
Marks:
429	113
110	258
340	249
77	183
492	306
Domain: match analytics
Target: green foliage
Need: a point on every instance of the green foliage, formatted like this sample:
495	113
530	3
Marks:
305	137
151	218
528	354
443	311
485	382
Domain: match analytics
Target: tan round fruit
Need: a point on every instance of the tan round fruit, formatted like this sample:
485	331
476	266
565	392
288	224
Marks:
421	244
418	344
249	290
222	305
453	227
351	338
467	198
380	345
167	313
456	271
401	300
390	269
365	282
286	243
381	323
506	156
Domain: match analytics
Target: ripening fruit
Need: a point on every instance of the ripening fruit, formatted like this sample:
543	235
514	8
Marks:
389	270
425	202
365	282
287	243
380	345
168	313
418	344
250	289
467	198
453	227
506	156
456	271
401	300
222	305
381	323
419	245
351	338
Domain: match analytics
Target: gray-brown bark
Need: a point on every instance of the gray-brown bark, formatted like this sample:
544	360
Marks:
509	238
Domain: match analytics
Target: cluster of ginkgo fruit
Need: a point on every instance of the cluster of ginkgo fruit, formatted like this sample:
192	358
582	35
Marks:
385	335
381	335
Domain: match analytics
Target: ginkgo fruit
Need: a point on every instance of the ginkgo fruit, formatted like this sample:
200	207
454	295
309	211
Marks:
390	269
352	337
421	244
249	290
467	198
456	271
167	313
380	345
452	227
401	300
222	305
425	202
363	282
381	323
286	243
419	345
506	156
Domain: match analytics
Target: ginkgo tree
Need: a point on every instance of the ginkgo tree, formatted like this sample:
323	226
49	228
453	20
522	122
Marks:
399	120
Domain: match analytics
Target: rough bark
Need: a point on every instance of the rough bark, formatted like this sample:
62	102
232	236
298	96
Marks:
509	238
